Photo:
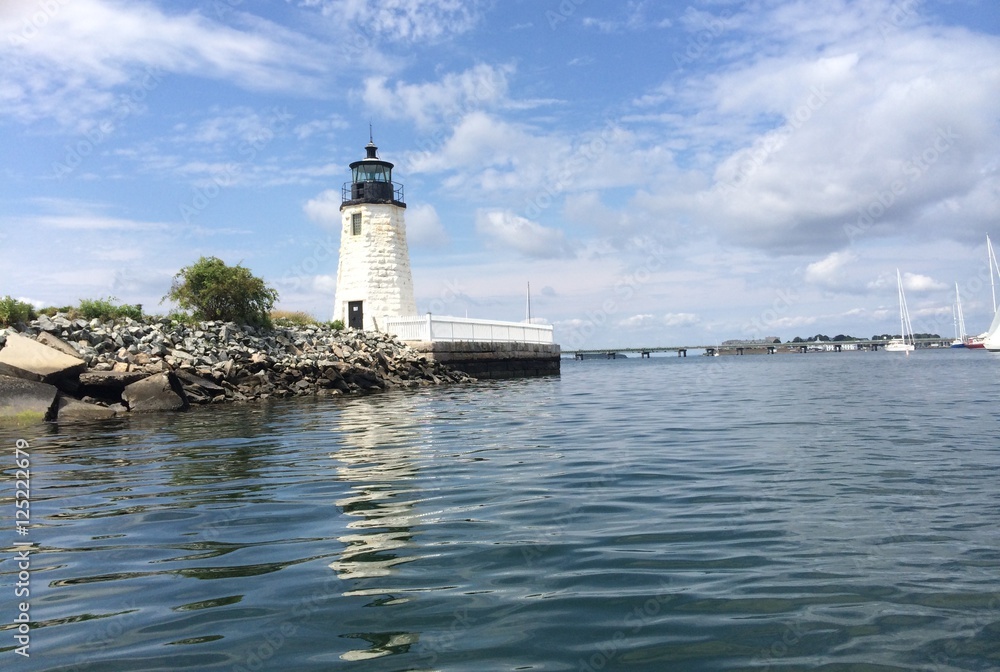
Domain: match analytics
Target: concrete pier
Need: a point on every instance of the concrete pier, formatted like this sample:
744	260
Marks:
493	360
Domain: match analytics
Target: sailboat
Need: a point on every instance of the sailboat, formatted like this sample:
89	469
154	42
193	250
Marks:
980	340
959	320
902	344
991	341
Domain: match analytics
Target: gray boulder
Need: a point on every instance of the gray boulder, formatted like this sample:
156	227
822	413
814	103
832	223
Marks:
71	410
25	400
159	392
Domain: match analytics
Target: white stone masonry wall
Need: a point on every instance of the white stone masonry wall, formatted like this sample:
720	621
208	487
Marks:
374	267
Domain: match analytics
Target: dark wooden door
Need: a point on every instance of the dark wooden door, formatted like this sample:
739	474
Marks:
355	316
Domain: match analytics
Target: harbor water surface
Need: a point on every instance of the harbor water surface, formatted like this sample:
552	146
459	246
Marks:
826	512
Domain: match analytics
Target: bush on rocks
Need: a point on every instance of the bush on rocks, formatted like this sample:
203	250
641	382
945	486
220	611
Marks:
214	291
14	312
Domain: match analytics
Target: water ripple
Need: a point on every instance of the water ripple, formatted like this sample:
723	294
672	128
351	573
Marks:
783	513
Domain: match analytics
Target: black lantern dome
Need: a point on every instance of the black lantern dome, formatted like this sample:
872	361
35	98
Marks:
371	181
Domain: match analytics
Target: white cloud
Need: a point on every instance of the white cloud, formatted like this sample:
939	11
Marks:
915	282
423	226
635	19
642	320
680	319
838	130
325	126
86	222
831	271
511	231
324	284
406	20
480	87
479	142
325	208
242	126
91	57
912	282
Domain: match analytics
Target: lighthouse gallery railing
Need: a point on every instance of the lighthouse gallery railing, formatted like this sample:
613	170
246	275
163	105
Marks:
437	328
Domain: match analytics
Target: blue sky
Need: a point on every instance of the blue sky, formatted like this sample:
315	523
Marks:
662	173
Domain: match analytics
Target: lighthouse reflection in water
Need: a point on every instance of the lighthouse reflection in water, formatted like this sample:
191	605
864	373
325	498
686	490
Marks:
379	455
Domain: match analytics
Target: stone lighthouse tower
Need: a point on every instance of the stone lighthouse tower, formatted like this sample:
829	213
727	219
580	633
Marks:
373	274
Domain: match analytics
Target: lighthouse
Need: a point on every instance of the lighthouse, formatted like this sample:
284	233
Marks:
373	273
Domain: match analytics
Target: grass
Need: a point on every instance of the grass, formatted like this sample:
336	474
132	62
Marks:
293	318
22	418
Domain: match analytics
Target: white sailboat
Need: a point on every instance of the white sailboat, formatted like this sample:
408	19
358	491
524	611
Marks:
902	344
959	320
991	341
980	340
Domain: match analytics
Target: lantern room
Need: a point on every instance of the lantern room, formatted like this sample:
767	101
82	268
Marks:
371	181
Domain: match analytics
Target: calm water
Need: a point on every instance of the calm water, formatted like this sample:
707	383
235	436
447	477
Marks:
795	512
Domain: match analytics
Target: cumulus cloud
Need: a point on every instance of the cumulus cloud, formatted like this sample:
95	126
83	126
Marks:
915	282
455	94
912	282
70	61
424	227
831	271
508	230
479	144
325	208
855	123
641	320
680	319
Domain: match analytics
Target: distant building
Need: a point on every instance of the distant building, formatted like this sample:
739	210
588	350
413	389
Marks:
767	340
374	280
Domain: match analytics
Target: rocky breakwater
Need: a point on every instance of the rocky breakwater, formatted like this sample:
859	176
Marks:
70	369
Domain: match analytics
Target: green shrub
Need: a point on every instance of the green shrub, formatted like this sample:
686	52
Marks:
214	291
181	317
337	325
13	311
107	309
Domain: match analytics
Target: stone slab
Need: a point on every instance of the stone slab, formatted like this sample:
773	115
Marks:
72	410
26	400
203	384
159	392
114	381
26	358
53	341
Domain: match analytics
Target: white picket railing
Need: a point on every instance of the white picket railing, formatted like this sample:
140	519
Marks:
437	328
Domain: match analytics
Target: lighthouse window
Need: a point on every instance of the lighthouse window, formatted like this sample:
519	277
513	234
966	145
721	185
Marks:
372	173
356	224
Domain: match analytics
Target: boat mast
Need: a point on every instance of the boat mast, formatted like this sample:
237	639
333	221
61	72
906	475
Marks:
904	314
961	316
902	324
528	308
993	264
